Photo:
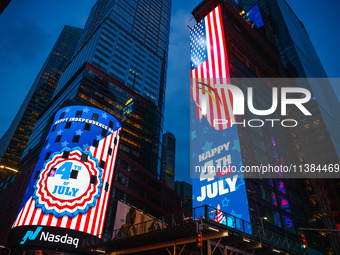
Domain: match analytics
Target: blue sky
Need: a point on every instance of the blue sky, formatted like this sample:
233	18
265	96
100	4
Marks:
28	30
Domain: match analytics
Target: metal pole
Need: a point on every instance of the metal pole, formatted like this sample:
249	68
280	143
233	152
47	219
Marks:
320	229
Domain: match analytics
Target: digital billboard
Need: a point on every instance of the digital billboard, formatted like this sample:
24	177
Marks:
70	185
130	221
214	146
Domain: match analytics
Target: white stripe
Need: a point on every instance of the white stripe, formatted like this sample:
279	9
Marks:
74	222
64	221
29	213
38	212
220	39
54	221
207	29
45	219
90	216
212	22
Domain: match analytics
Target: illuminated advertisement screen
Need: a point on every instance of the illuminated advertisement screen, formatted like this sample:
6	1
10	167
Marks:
254	14
214	145
130	221
70	185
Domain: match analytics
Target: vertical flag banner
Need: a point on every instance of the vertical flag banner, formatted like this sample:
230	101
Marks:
215	148
71	182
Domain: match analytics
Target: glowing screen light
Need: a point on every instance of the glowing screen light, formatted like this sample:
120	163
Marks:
69	190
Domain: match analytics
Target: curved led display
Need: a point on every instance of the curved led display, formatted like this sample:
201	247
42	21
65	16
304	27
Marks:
71	182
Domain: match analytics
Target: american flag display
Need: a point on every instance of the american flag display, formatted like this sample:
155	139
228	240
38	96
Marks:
71	182
209	66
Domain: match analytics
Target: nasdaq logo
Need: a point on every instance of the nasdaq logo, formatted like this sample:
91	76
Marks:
30	235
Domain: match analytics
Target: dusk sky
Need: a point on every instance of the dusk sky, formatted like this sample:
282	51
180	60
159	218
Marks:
29	29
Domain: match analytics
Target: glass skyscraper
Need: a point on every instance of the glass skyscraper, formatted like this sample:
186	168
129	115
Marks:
128	40
14	141
297	52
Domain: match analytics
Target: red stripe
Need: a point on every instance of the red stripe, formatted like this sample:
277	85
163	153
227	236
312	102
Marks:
102	188
69	222
40	218
224	45
111	170
113	161
89	212
59	222
49	221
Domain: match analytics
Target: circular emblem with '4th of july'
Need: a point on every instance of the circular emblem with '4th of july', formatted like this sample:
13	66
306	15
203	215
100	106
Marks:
69	183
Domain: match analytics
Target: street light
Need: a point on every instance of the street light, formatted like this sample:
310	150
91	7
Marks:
4	247
11	169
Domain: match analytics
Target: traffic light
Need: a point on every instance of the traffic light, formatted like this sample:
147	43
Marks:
303	241
200	240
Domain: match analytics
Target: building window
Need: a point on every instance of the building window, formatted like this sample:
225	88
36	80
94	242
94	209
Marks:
95	116
62	115
111	124
54	127
52	172
79	113
58	138
87	126
102	164
95	143
47	155
93	179
36	175
66	154
76	139
109	151
74	174
68	124
84	157
104	133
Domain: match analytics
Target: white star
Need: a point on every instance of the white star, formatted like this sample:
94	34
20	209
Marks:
59	132
47	146
86	110
85	146
79	132
64	144
67	109
104	115
99	137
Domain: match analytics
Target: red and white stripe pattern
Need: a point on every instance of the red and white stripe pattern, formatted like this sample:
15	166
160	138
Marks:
93	221
212	69
219	214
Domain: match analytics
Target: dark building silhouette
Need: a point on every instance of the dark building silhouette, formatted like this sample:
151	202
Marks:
14	141
184	189
168	159
3	5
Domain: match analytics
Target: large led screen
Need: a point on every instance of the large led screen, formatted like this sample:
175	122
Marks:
214	145
69	189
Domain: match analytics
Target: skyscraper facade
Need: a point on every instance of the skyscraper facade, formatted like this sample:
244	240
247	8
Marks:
14	141
282	205
168	159
297	52
128	40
